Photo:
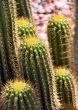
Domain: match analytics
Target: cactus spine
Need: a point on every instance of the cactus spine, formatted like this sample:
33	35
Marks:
24	8
25	27
59	39
7	36
65	86
18	95
35	65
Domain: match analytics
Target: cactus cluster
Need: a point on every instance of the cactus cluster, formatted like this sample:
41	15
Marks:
59	39
34	61
25	27
65	86
24	8
8	34
35	67
18	95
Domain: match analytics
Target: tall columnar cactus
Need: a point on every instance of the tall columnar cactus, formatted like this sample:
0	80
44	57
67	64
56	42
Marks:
24	8
35	66
65	86
25	27
59	39
18	95
7	36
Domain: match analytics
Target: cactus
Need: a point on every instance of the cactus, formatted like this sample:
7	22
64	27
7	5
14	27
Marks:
18	95
25	27
65	86
24	8
59	39
34	63
7	37
75	43
1	71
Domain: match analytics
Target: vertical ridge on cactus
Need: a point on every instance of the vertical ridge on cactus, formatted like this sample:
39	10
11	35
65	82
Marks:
25	27
1	70
18	95
59	39
24	8
65	86
35	67
7	36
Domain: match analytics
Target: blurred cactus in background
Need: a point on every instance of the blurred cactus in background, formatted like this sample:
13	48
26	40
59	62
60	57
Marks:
8	36
24	8
76	37
18	95
34	62
59	39
25	27
65	87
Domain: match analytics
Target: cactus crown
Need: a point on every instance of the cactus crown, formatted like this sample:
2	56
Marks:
31	41
17	86
25	27
62	72
22	22
58	18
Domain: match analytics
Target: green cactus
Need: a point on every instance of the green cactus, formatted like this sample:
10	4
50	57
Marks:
34	63
18	95
7	37
1	71
24	8
59	39
65	86
25	27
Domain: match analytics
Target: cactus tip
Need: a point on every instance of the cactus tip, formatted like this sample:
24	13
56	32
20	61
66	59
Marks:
22	22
